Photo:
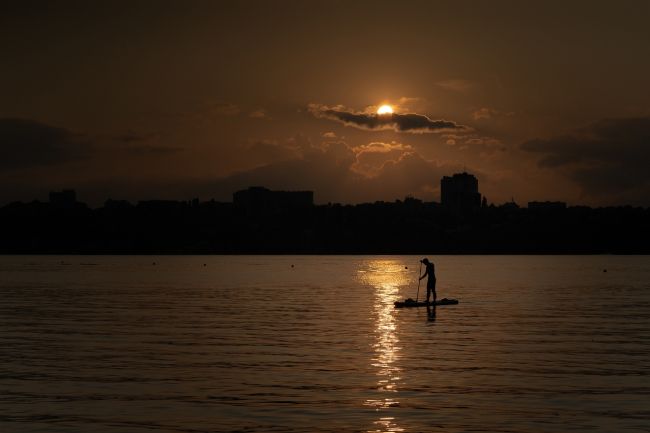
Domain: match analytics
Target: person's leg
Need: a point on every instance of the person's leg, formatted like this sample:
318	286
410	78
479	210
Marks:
428	293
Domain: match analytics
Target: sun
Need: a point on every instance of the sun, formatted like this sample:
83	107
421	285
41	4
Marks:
385	109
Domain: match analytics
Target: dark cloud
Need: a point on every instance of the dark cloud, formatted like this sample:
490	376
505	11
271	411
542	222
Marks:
409	122
132	136
133	143
333	172
415	174
266	151
609	158
153	150
222	108
26	143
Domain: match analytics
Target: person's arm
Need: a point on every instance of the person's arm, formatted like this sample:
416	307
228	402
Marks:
426	272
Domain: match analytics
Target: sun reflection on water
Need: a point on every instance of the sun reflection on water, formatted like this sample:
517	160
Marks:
386	277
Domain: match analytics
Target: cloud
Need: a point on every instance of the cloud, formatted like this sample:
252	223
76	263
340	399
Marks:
403	104
337	172
27	143
409	122
371	158
407	101
329	134
609	158
132	136
486	142
453	139
334	170
222	108
483	113
258	114
488	113
133	143
380	147
153	150
265	151
486	146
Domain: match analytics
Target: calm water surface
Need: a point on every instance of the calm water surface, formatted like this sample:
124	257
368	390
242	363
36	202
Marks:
252	344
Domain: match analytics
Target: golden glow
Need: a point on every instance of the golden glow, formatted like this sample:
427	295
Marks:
385	278
385	109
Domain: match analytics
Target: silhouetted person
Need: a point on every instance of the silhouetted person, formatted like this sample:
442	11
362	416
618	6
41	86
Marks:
430	271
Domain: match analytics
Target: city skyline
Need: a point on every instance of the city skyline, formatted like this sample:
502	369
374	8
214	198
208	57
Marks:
458	195
259	220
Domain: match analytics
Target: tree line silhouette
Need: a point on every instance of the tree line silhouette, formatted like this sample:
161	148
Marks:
403	226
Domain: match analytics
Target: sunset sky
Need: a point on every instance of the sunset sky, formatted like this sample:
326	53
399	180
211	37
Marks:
158	99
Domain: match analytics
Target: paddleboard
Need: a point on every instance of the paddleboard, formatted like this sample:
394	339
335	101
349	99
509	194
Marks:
411	303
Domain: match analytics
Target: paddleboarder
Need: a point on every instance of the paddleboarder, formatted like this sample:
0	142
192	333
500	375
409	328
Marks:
430	271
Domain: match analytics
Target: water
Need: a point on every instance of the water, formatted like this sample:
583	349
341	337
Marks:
252	344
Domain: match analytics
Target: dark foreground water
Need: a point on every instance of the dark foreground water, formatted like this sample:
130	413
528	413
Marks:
252	344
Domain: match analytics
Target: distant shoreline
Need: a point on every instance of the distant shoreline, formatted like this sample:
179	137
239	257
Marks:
401	227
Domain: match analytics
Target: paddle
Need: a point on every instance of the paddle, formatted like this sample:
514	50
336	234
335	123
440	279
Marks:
419	273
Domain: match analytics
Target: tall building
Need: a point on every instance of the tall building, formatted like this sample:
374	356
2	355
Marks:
459	192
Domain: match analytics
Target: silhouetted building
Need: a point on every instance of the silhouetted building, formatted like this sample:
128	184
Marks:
460	192
509	206
161	205
117	204
382	227
63	198
261	199
546	205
